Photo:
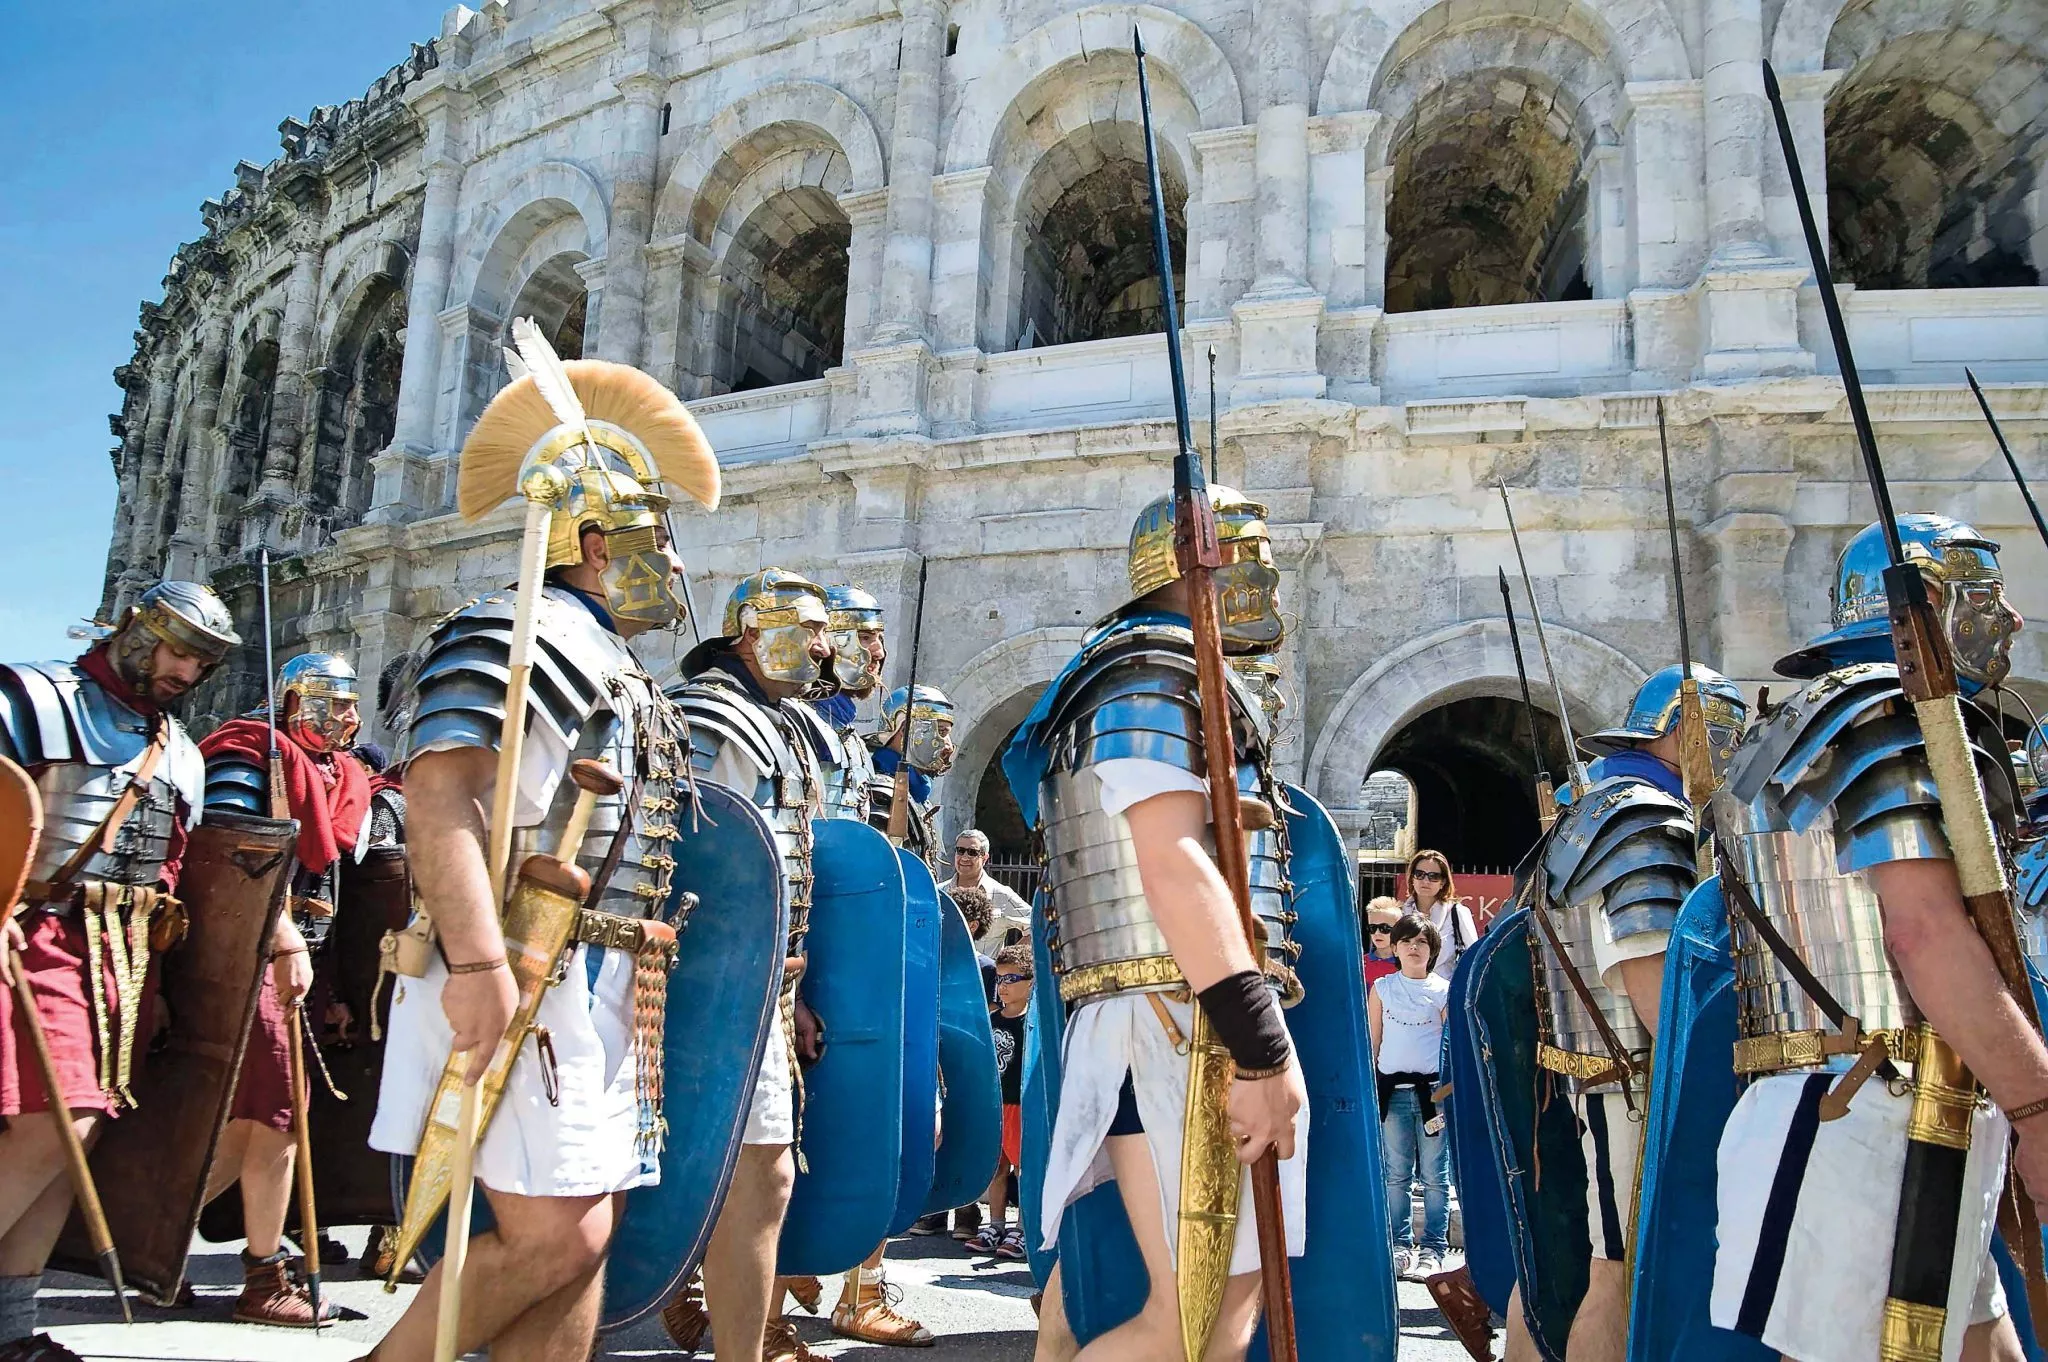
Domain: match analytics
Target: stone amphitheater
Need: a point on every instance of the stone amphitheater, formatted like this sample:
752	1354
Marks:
895	254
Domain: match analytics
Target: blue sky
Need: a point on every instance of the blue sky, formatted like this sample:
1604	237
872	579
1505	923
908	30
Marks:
119	119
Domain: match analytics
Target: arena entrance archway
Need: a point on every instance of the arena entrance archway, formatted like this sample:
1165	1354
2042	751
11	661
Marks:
1469	763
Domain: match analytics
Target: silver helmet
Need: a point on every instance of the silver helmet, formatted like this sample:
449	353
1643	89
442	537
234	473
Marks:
931	728
185	615
317	702
858	648
1654	712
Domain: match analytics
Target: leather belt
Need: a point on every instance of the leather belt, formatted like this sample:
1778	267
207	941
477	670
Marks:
639	935
1156	974
1778	1051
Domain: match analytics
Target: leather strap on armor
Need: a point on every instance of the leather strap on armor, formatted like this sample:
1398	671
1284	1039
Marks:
102	841
1622	1064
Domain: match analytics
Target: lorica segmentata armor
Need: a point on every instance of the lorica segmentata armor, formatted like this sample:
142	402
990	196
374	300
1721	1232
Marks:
589	698
82	748
1619	864
1133	695
1834	782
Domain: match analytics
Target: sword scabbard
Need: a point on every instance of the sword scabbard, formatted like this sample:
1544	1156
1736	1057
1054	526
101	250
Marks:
1210	1178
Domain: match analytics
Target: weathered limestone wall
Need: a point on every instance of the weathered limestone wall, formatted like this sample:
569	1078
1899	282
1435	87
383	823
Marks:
1434	246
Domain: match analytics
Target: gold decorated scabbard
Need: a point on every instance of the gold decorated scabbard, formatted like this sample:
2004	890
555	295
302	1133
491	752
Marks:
538	924
1210	1179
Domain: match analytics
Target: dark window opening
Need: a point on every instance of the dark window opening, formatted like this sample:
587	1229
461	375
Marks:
1090	268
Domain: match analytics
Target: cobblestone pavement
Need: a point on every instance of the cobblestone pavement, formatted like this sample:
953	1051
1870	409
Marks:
979	1308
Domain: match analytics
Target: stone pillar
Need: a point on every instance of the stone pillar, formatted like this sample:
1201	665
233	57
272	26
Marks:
1280	38
295	343
889	375
1750	295
150	486
400	469
913	157
202	447
622	325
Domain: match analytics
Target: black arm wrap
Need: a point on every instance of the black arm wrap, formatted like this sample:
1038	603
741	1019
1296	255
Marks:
1247	1020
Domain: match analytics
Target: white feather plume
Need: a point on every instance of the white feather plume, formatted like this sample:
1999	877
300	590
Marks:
515	367
547	373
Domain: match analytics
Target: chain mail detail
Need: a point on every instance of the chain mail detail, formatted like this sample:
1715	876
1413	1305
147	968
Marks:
1133	695
1619	864
1833	782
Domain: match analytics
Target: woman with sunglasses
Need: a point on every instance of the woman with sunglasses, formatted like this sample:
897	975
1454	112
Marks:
1433	897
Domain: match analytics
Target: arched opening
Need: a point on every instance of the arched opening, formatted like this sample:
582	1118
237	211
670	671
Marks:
247	431
1089	270
356	405
1468	762
996	812
782	304
1926	189
558	300
1488	199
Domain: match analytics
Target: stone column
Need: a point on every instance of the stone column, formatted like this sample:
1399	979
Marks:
1750	295
189	541
400	469
295	343
913	157
149	484
1278	320
622	323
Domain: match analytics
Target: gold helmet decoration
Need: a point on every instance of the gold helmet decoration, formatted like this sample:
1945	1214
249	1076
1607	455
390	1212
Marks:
326	717
783	606
930	740
1246	585
620	441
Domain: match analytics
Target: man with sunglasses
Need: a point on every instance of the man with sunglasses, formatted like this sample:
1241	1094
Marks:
970	862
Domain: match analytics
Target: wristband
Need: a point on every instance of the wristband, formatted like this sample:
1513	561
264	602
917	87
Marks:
1247	1021
477	966
2022	1112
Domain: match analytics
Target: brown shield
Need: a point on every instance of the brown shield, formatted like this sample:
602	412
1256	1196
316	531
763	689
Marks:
152	1164
351	1181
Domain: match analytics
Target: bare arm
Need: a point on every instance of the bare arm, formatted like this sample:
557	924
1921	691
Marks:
445	795
1373	1022
1644	982
1956	985
1192	904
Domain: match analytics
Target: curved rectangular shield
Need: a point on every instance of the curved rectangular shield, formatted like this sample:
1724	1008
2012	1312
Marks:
1482	1195
971	1120
922	934
152	1165
852	1137
1344	1304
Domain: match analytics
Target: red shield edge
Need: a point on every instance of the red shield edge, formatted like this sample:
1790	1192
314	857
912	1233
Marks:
152	1164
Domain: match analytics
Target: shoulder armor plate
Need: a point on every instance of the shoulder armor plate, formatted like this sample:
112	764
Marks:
235	783
53	712
1134	694
1632	845
459	685
719	713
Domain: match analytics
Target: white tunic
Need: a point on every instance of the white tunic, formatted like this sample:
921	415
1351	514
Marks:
1113	1037
587	1143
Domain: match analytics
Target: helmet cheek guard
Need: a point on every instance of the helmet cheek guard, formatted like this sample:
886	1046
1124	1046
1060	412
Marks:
187	616
1247	585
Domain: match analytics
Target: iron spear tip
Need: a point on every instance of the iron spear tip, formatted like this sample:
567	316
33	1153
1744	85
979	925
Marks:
1137	42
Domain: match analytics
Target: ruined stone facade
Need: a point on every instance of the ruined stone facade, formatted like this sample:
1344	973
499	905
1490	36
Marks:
897	257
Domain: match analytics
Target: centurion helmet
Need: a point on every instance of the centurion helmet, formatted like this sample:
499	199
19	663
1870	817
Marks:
325	719
1247	584
185	615
782	606
1974	612
853	612
600	443
931	728
1654	712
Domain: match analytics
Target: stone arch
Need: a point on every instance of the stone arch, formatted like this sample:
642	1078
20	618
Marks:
1469	659
755	127
1935	135
355	392
344	293
1639	37
991	694
1174	46
1068	234
535	200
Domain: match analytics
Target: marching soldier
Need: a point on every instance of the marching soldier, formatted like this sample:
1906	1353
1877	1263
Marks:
578	1123
1614	870
751	731
1110	768
327	790
1854	958
121	783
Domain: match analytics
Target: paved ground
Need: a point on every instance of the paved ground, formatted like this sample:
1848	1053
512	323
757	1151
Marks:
979	1308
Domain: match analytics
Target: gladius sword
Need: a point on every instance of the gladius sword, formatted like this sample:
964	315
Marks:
1199	552
1923	1253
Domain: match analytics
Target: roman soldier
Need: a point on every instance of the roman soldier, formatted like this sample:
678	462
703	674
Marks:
752	730
597	448
920	746
1138	931
1835	949
858	633
1607	882
327	790
121	783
